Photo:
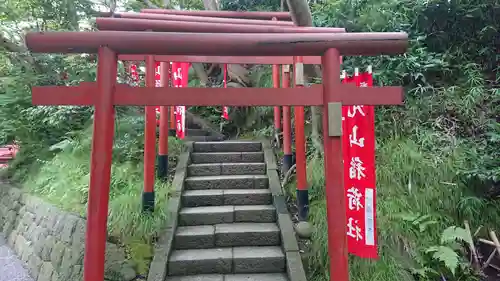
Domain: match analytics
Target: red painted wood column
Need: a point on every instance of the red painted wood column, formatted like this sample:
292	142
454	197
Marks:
148	195
277	113
172	108
287	125
164	132
277	110
172	119
100	167
335	197
300	146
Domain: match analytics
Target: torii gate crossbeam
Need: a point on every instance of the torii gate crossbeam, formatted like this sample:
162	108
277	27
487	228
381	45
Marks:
282	16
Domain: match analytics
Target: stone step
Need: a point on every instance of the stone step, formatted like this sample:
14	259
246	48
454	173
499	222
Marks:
226	182
189	132
227	235
264	259
228	146
196	132
218	197
207	215
201	139
215	169
227	157
231	277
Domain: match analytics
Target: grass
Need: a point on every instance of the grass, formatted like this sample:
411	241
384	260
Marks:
63	181
411	182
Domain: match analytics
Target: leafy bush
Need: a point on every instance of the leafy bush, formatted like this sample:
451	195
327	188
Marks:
450	73
63	180
419	196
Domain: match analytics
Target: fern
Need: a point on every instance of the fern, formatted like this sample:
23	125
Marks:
454	233
446	255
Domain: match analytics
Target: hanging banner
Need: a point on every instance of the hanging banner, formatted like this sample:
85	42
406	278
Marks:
157	74
358	142
134	75
157	84
180	79
225	109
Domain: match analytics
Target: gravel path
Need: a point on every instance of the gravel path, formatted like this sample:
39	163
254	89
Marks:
11	268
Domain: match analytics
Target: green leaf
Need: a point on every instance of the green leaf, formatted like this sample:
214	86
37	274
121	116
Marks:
445	255
454	233
423	226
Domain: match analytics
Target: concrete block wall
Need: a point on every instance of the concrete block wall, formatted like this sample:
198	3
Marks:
50	241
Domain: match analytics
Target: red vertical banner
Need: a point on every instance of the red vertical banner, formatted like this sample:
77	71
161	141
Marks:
134	74
359	172
157	84
225	109
180	80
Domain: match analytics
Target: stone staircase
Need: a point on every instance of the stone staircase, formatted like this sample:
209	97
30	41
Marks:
227	226
195	134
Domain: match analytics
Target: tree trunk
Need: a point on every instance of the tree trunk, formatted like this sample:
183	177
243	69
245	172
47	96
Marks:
210	5
301	16
201	73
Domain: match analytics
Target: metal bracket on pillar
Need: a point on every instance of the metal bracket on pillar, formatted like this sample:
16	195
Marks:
334	119
299	74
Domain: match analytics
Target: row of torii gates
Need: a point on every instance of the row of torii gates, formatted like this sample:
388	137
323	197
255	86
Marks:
214	37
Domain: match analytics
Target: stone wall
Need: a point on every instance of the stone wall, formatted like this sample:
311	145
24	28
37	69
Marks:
51	242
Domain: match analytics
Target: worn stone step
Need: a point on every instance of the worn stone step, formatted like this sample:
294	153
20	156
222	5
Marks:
256	277
231	277
215	169
189	132
226	214
218	197
228	146
227	235
227	157
201	139
226	182
201	261
263	259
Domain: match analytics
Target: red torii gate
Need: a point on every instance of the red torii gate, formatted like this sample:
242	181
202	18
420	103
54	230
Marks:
106	93
138	23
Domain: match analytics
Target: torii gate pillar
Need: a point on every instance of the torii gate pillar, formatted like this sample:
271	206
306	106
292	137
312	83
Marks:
100	164
334	187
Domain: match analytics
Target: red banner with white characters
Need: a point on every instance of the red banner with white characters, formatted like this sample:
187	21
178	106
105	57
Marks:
134	75
180	79
358	142
157	84
225	109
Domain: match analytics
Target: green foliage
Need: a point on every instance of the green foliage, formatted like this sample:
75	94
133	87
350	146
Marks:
244	121
437	156
250	5
64	180
433	258
418	195
137	5
454	233
449	72
444	254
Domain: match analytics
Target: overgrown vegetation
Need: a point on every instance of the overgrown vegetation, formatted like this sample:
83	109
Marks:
63	181
437	157
438	161
55	142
